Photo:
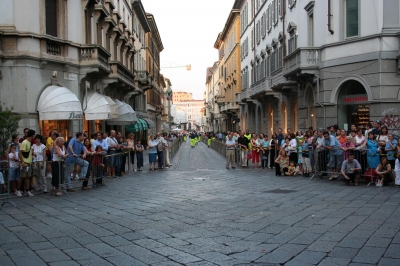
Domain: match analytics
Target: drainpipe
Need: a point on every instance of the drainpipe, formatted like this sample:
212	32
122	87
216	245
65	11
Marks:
329	17
283	30
319	102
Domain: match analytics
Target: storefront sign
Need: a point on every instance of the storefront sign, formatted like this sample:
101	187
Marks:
74	115
355	99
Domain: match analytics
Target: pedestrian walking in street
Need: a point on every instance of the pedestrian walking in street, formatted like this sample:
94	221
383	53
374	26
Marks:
230	152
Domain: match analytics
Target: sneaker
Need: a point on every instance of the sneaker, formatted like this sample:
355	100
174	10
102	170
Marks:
45	190
30	194
18	193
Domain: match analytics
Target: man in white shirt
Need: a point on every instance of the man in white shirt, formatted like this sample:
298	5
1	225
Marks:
113	146
230	152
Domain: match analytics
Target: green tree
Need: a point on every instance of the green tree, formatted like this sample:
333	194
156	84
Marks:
8	126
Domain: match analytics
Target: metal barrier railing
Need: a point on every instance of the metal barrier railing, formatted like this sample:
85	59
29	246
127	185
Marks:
5	183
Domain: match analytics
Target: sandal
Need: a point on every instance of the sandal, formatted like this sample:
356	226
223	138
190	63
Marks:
356	183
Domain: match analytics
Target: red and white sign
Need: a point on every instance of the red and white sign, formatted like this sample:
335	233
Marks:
355	99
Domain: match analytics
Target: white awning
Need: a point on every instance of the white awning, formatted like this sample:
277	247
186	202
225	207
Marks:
150	123
113	107
126	115
59	103
98	107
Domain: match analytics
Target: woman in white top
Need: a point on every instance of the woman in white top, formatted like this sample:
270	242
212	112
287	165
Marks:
57	165
383	138
293	148
39	169
397	166
359	155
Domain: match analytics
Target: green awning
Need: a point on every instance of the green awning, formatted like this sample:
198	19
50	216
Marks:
139	126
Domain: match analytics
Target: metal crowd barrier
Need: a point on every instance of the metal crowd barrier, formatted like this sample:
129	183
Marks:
322	158
5	183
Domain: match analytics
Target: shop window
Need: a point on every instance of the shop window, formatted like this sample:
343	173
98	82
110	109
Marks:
59	126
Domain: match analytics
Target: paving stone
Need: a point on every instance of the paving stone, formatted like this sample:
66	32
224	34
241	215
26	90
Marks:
167	251
370	255
80	253
322	246
95	262
125	260
64	243
25	257
64	263
184	258
311	257
115	241
393	251
389	262
345	253
379	242
331	261
6	261
352	242
214	257
40	245
52	255
282	254
173	242
103	250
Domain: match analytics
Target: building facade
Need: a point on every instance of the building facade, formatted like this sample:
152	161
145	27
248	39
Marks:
230	84
213	115
319	63
70	66
179	96
192	111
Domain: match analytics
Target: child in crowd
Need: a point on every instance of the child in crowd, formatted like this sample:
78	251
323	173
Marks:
292	171
306	148
14	171
98	166
265	153
139	154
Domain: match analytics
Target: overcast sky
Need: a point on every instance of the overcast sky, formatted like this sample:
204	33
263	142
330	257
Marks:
188	30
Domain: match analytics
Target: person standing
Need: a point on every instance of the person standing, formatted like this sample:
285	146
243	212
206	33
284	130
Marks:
49	149
130	142
113	146
139	155
306	150
336	155
230	152
39	164
25	158
243	144
166	151
57	164
75	150
160	150
14	171
152	146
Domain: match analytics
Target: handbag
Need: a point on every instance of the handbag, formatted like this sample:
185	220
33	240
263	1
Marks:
370	175
249	156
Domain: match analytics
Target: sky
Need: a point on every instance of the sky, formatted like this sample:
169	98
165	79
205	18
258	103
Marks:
188	30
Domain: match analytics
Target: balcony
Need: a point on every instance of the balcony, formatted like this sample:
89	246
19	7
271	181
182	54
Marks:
243	96
302	60
95	56
120	72
229	107
260	88
143	78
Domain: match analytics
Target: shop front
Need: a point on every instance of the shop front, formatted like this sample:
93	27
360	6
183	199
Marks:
98	108
353	105
58	107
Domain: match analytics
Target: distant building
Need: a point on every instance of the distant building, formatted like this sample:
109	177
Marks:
192	110
182	96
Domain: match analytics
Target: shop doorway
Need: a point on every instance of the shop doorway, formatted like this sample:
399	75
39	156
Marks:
353	106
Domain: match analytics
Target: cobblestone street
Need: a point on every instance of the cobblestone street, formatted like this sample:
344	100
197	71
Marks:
199	213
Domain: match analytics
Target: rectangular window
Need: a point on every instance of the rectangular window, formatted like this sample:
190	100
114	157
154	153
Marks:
279	8
252	39
270	16
280	57
292	43
311	30
273	12
273	55
276	11
51	17
351	18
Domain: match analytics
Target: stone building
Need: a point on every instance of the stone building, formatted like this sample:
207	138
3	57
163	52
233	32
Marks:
73	65
179	96
319	63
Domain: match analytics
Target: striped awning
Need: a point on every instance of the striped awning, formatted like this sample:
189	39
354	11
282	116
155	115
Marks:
139	126
150	123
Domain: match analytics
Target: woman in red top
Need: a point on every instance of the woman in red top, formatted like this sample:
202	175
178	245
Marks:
89	157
